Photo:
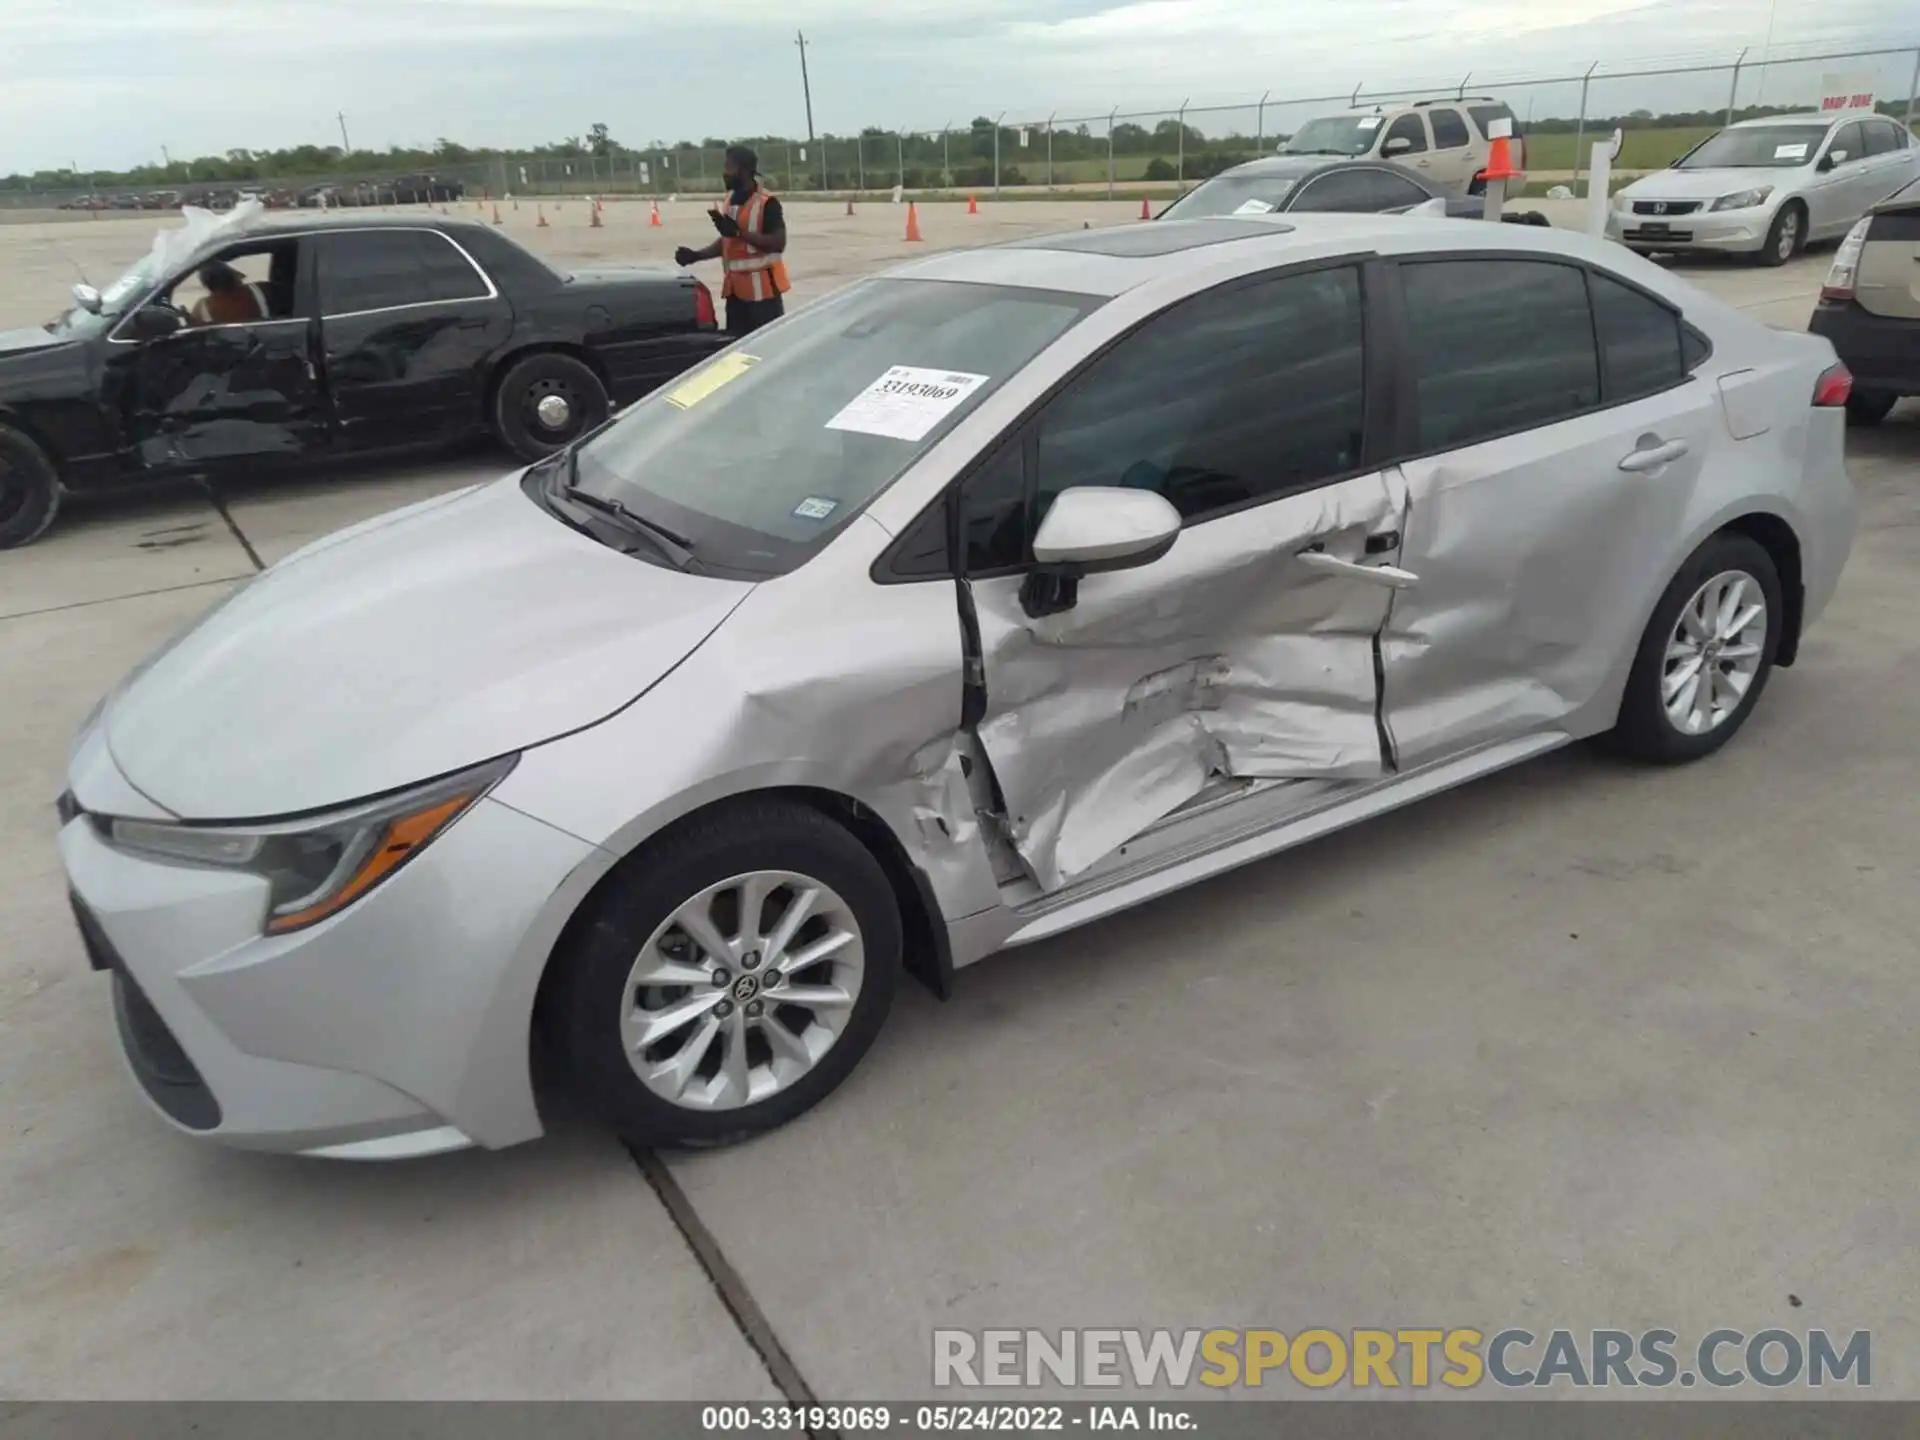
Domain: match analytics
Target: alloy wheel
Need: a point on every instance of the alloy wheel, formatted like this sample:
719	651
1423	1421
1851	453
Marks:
1714	653
742	990
1789	234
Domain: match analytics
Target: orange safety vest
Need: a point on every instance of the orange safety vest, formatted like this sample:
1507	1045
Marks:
750	274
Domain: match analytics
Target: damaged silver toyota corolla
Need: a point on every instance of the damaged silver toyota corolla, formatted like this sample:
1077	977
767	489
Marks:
973	603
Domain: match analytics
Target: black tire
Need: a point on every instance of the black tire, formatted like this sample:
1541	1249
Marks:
529	380
29	490
582	1012
1866	408
1776	249
1643	731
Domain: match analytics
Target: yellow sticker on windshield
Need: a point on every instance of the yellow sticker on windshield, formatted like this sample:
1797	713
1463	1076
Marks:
702	383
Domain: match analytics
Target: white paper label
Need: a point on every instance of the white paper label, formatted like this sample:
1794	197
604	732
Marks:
906	402
1255	207
815	507
1370	122
1790	152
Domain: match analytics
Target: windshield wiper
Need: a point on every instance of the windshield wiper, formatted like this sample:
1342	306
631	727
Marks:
677	549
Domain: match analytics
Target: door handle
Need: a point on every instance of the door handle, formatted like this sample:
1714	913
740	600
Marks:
1391	576
1654	456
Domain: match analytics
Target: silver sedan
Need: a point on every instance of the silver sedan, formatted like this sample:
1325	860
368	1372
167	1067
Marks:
1767	187
971	604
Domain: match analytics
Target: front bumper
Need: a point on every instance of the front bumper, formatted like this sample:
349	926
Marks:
1728	232
1882	351
398	1027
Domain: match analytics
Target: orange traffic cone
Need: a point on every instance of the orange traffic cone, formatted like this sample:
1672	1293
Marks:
496	215
653	216
541	211
1500	161
913	223
1146	210
973	206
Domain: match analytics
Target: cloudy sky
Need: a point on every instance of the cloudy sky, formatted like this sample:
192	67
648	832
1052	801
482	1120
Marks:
105	83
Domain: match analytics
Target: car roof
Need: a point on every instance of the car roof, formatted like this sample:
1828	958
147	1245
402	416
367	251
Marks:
1291	167
1810	117
278	220
1120	258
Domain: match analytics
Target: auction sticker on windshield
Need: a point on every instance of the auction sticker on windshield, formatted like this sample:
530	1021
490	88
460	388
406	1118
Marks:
698	386
906	402
1790	152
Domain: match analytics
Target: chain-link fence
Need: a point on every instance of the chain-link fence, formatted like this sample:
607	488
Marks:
1662	108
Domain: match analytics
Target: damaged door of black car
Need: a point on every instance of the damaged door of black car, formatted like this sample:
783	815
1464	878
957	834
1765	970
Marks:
206	395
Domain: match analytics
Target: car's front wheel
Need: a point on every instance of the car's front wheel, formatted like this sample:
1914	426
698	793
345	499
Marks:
29	490
547	400
728	975
1785	236
1705	656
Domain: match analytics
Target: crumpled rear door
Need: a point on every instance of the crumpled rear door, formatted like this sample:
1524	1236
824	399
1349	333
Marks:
1231	656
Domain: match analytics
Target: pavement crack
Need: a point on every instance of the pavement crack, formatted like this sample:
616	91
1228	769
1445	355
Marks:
116	599
239	535
747	1315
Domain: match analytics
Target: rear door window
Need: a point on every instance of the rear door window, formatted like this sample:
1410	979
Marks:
1449	130
371	270
1409	128
1358	192
1497	346
1640	346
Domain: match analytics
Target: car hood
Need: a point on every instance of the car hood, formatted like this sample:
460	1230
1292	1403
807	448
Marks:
1712	184
419	643
14	341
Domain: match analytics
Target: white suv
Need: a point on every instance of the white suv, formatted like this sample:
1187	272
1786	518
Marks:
1446	140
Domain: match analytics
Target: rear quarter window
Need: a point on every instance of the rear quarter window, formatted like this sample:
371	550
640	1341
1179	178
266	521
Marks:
1485	115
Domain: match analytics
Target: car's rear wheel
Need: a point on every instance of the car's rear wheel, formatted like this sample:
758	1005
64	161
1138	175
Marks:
29	490
1705	656
1869	407
545	401
728	976
1785	236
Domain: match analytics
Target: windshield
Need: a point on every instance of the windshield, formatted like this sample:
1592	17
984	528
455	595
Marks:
759	456
1335	135
1232	194
1756	147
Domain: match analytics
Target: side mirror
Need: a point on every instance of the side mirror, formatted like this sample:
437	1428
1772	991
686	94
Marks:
1091	530
87	298
1832	158
1399	145
153	322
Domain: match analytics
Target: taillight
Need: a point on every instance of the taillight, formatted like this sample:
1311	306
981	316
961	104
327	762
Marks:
703	306
1833	387
1845	270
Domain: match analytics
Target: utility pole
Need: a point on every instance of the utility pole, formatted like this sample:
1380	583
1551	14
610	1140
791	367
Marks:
346	145
806	89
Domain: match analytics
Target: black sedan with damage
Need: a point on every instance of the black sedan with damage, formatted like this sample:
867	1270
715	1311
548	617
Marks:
321	340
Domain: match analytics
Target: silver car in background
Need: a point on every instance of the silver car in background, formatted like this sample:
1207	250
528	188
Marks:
969	605
1767	187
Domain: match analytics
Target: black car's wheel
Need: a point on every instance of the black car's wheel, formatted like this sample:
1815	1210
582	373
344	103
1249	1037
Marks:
29	490
1869	407
1705	656
1786	236
544	401
727	977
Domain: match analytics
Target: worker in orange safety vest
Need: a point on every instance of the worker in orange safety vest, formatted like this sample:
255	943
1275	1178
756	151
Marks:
753	237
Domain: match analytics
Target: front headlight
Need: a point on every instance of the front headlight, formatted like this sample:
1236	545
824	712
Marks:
1743	200
317	866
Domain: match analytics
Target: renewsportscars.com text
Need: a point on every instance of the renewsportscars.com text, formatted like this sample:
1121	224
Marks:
1364	1359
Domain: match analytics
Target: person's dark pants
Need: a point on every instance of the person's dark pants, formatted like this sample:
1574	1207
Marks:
746	316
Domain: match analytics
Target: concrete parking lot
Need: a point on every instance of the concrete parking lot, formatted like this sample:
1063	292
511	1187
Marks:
1581	1046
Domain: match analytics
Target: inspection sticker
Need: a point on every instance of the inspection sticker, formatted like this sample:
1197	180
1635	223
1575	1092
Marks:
906	402
1255	207
1790	152
815	507
702	383
1370	122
